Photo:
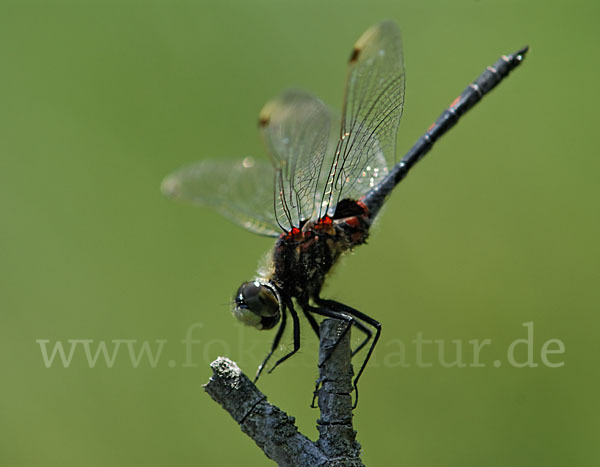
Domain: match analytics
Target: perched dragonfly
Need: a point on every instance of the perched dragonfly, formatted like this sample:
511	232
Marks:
324	186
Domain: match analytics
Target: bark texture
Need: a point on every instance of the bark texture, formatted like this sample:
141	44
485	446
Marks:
274	431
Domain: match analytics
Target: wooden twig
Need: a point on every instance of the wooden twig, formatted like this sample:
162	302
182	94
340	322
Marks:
274	431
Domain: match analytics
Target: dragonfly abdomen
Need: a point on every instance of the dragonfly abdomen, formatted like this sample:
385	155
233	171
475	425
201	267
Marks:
474	92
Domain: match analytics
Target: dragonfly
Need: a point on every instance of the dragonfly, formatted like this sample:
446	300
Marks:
323	187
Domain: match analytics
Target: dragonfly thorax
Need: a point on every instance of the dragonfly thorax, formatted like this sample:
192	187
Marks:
302	257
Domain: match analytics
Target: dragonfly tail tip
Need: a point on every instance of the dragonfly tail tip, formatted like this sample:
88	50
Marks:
522	52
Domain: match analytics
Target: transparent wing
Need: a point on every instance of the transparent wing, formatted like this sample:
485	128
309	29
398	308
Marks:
373	102
240	190
295	127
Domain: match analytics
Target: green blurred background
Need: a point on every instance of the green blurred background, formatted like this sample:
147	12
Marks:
498	226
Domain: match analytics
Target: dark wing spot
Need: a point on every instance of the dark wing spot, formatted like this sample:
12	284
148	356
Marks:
263	121
354	55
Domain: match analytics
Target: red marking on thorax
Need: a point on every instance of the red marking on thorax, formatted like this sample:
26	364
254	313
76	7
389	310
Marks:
325	224
352	222
294	234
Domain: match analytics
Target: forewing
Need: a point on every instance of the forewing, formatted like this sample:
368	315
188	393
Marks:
295	127
240	190
373	102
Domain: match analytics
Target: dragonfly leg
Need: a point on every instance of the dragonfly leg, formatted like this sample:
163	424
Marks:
296	324
274	345
368	336
313	322
345	309
335	315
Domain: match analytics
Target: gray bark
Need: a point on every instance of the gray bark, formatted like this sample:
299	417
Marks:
274	431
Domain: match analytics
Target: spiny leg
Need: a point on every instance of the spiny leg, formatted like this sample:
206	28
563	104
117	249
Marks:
308	310
368	333
335	315
274	345
296	324
341	308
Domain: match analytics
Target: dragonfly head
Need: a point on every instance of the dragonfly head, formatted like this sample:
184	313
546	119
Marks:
256	304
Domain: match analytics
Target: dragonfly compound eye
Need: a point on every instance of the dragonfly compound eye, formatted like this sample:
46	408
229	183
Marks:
257	304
